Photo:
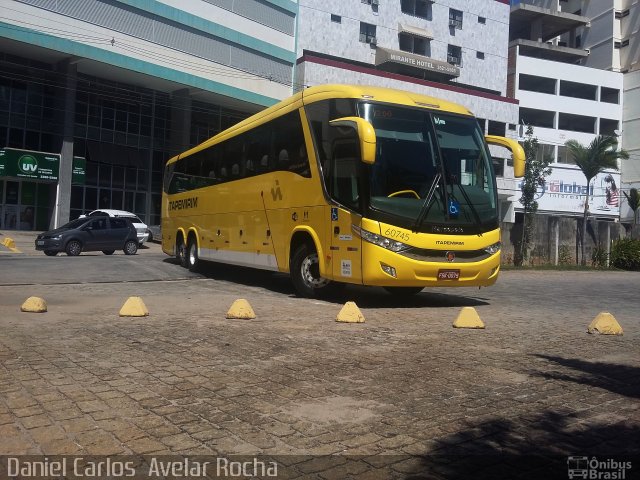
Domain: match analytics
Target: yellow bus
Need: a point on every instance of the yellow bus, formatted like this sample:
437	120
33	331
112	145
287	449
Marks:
343	184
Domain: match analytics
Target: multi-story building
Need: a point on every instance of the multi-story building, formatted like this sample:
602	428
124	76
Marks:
456	50
564	100
574	66
110	89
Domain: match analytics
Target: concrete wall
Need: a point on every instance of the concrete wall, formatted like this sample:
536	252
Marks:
555	239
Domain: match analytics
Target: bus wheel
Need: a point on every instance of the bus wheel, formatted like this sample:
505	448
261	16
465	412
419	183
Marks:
403	291
305	273
192	256
181	253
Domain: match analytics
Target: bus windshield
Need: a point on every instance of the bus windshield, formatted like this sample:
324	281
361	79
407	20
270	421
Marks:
420	151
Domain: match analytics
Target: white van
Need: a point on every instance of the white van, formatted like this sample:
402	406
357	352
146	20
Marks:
141	227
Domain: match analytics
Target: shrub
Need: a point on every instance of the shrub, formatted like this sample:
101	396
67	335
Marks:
599	257
625	254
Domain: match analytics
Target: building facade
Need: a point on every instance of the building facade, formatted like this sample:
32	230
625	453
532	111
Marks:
455	50
600	39
96	95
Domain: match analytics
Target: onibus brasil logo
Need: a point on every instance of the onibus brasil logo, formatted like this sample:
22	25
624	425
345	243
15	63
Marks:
28	164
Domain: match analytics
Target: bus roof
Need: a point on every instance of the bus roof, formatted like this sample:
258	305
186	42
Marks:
324	92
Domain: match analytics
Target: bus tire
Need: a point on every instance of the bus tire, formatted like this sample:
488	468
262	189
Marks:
181	252
403	291
193	262
305	273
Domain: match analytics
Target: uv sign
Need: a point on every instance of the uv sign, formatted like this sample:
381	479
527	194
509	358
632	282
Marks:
28	164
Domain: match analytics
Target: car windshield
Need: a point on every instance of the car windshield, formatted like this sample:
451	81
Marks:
78	222
413	147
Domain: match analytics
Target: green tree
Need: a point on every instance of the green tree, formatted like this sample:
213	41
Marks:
633	199
601	153
536	169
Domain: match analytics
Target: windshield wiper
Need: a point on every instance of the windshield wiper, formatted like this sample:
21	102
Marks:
470	205
426	205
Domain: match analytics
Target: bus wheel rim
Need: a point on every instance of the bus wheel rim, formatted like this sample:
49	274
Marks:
312	280
192	255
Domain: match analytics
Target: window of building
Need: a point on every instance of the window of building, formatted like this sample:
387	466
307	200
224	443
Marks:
496	128
482	20
455	19
564	156
545	151
336	18
498	166
413	44
537	118
417	8
608	127
578	90
533	83
374	4
609	95
480	55
367	33
576	123
454	55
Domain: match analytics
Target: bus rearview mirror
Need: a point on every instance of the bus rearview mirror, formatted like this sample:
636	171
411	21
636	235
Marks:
366	135
516	150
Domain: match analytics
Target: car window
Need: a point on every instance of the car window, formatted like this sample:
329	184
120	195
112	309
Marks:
98	213
99	224
119	223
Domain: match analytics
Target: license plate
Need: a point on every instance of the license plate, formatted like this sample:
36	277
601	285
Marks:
40	242
448	274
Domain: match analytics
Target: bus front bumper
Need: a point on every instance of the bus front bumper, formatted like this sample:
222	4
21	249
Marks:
385	268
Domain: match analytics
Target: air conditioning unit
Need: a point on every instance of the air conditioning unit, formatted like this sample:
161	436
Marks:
453	22
375	2
372	40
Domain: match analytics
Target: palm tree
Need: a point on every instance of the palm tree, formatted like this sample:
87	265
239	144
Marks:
601	153
633	198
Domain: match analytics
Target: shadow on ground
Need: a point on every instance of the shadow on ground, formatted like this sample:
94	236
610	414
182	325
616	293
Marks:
538	445
365	297
535	447
616	378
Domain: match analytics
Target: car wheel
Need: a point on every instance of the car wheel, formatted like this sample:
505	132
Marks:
74	247
50	253
130	247
193	262
108	252
305	274
181	253
403	291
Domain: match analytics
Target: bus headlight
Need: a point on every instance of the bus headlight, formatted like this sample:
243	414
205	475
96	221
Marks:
495	248
381	241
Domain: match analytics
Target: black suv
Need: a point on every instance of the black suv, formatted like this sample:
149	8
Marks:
90	234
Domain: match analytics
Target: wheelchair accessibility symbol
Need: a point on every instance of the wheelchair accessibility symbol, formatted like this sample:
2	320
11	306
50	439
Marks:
454	208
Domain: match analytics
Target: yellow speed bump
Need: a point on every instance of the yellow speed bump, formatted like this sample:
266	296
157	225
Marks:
605	324
350	313
134	307
468	318
241	309
9	242
34	304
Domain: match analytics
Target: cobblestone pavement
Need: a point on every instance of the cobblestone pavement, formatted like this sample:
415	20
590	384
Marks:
80	380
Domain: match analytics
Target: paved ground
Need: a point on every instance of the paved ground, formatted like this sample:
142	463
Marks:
405	394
